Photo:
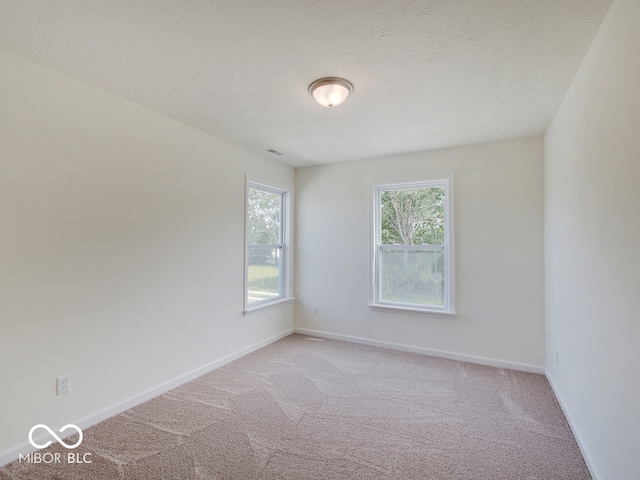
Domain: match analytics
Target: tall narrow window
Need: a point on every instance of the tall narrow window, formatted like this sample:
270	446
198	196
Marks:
265	274
413	246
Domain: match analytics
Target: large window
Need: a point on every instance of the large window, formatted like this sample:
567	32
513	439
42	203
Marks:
413	246
266	254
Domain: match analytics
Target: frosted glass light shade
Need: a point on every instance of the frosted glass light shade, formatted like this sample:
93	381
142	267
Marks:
331	91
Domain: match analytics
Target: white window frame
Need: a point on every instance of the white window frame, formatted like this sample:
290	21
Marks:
448	247
284	294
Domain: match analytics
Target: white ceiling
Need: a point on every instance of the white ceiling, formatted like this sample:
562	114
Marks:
426	73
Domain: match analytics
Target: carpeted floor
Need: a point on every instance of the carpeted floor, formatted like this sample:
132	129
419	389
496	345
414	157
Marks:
305	408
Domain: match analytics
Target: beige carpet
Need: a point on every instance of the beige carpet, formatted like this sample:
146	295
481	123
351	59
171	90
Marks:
304	408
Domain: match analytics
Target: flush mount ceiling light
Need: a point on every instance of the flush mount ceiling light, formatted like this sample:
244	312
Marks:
330	91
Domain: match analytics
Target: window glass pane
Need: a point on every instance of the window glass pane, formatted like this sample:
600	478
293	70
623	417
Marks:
412	276
264	217
412	216
263	279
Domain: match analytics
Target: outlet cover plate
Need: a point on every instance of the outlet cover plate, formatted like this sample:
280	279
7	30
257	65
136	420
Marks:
63	384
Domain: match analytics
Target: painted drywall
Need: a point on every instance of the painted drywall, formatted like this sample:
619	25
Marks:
121	249
592	239
498	209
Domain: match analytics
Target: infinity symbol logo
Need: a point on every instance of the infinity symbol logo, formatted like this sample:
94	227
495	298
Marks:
52	433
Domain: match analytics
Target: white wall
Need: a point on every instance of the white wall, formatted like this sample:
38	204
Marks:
121	249
592	244
499	252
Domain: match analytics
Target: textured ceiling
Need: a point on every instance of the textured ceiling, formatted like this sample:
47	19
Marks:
426	73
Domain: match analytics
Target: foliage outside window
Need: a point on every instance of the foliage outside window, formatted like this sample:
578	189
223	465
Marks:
265	256
413	246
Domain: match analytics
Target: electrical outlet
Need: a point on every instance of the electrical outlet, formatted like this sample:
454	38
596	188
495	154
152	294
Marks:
63	384
557	356
315	310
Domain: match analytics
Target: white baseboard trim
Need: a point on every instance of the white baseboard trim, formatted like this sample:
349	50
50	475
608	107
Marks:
524	367
574	430
11	454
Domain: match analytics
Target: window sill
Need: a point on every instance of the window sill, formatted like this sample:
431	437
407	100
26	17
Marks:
378	306
265	305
